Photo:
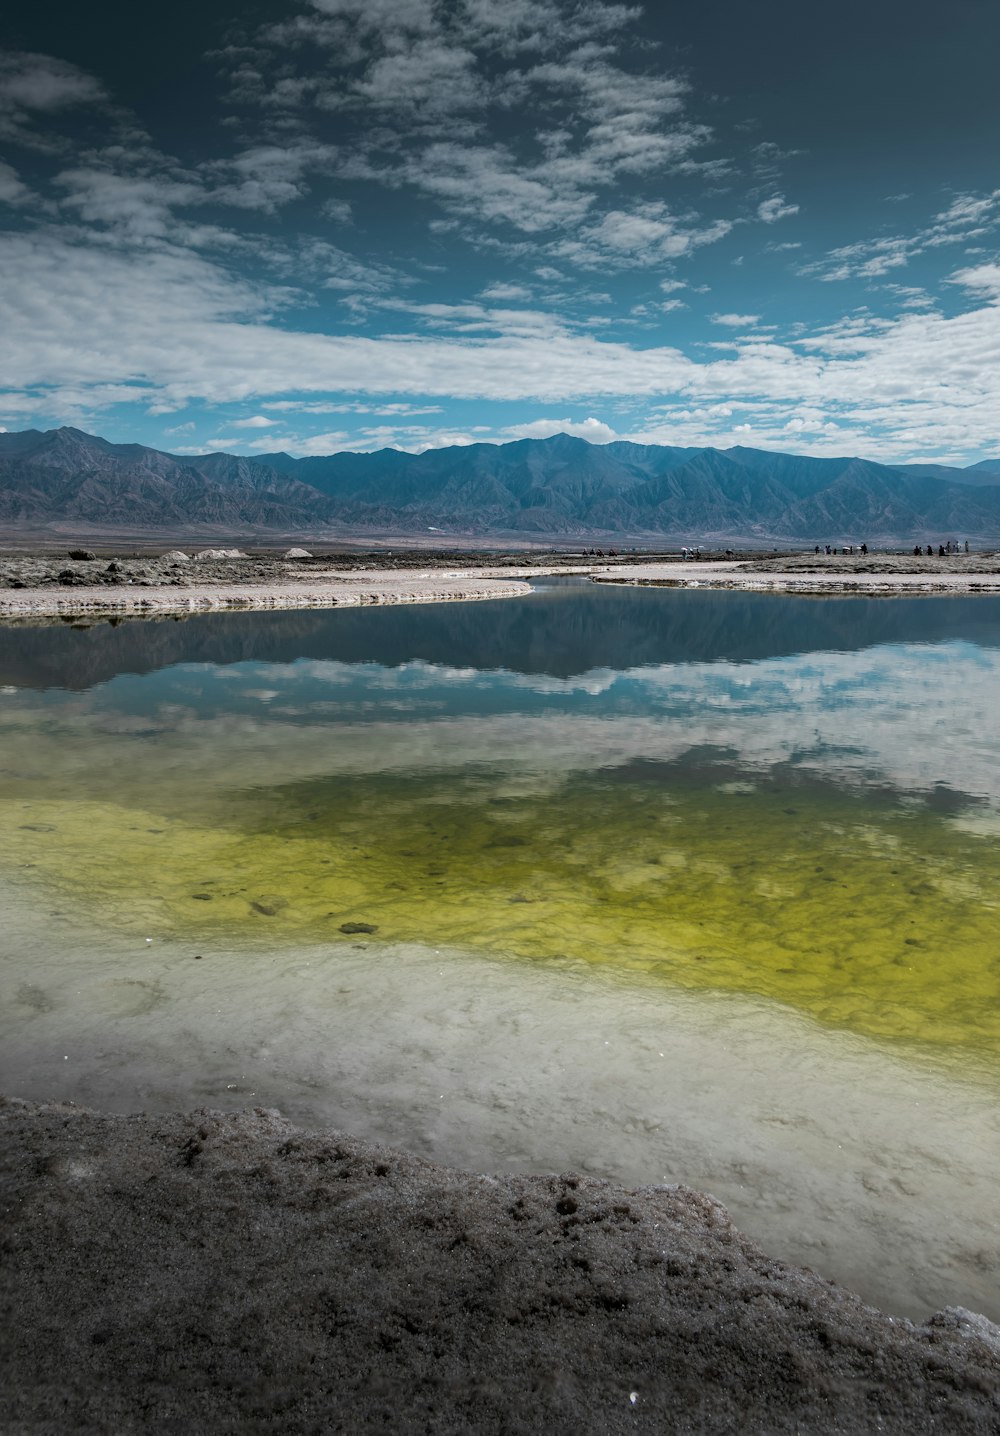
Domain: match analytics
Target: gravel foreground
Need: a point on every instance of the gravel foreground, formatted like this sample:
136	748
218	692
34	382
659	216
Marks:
218	1272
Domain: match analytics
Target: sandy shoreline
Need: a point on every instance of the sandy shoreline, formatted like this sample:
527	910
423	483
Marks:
219	1271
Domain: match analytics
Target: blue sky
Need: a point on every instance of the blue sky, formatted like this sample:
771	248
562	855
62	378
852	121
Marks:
346	224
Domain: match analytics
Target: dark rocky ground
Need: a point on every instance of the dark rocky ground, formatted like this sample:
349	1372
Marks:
228	1272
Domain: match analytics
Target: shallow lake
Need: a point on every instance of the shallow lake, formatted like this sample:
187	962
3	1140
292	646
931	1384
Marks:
663	885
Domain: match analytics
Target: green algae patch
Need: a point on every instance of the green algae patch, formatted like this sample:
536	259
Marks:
864	911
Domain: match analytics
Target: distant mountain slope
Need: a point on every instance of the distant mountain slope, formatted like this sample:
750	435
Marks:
65	474
985	473
565	485
560	485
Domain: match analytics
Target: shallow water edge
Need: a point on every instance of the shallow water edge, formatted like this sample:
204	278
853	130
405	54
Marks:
873	1167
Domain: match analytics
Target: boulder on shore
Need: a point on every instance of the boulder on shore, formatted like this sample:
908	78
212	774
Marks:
210	553
298	553
176	556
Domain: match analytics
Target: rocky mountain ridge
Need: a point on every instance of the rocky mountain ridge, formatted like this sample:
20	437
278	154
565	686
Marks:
558	486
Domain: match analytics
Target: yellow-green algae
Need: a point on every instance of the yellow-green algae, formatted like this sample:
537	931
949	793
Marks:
864	912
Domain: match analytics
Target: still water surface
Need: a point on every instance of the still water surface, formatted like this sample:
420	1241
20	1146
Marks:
665	885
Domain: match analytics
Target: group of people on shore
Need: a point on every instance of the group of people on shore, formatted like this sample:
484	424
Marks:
850	549
952	546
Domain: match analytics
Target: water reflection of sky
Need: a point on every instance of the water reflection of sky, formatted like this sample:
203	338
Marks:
916	714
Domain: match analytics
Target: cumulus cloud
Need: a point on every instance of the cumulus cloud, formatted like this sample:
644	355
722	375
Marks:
533	132
592	430
775	208
646	235
982	278
169	326
968	217
425	92
141	205
735	321
12	189
34	89
504	292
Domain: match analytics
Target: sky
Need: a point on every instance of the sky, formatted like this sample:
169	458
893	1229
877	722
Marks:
319	225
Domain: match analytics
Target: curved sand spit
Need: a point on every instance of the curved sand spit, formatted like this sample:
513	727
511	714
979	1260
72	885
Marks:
222	1272
332	592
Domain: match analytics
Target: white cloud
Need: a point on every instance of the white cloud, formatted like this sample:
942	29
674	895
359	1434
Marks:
331	442
266	177
488	182
984	279
91	326
967	217
593	430
299	406
735	321
418	87
471	318
771	210
646	235
12	189
257	421
141	206
35	89
409	438
503	291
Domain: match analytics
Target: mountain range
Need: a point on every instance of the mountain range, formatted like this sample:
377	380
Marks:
64	480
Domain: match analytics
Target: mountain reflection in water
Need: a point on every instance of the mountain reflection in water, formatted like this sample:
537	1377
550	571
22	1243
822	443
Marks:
565	629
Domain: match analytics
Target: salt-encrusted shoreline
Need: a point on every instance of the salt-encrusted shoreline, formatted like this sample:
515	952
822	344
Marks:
756	578
266	583
328	591
227	1271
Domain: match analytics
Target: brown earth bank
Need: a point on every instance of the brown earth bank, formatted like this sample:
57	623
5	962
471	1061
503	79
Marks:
229	1272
